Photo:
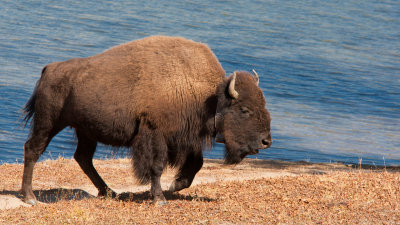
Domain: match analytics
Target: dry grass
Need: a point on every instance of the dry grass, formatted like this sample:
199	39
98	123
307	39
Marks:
332	195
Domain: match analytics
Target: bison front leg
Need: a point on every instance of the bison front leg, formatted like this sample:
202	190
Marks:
149	160
84	156
159	150
189	169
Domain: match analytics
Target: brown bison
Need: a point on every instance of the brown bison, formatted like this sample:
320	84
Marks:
166	98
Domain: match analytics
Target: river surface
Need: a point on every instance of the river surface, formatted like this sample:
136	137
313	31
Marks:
330	70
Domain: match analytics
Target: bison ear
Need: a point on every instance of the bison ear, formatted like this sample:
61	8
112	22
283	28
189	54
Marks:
231	90
256	77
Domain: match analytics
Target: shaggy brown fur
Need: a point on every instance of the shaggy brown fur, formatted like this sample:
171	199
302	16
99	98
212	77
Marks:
159	96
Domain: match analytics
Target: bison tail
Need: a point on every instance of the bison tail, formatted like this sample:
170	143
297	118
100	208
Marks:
29	108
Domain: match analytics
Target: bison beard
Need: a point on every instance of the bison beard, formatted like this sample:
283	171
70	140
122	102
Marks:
166	98
233	152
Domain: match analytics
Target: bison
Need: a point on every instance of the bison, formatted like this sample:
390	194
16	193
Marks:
165	98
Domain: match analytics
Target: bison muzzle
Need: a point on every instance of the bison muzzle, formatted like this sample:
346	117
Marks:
166	98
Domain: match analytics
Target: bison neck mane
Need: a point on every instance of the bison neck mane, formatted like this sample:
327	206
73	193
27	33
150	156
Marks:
196	135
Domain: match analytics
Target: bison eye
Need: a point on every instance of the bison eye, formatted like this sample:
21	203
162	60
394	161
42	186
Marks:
245	110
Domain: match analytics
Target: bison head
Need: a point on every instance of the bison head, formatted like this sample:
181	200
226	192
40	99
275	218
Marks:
242	122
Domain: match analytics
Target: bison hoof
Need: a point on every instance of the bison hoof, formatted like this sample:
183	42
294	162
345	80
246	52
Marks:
107	194
172	187
160	202
28	197
31	202
178	185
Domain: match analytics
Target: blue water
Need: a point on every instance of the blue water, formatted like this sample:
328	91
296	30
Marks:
330	70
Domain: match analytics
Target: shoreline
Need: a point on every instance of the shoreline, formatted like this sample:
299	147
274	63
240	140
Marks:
220	160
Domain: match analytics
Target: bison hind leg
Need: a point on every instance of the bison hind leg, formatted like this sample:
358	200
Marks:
33	149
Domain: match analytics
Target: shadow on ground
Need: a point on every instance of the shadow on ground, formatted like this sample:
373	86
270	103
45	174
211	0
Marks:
53	195
146	196
62	194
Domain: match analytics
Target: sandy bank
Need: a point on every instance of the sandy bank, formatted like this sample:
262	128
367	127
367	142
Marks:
61	181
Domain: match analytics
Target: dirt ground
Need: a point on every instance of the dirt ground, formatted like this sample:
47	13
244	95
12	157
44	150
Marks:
61	185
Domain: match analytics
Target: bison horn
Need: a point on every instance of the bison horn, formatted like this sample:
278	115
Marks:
256	76
232	92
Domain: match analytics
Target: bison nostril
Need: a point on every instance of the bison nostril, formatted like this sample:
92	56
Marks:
266	142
